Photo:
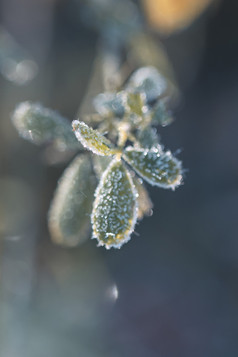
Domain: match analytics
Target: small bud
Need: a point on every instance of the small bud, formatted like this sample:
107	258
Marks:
41	125
115	207
92	140
69	214
149	81
136	103
110	104
155	166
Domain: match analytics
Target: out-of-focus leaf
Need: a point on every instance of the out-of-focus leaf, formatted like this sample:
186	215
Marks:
160	114
92	140
172	15
41	125
148	137
155	166
110	104
136	103
100	164
115	207
145	204
69	215
149	81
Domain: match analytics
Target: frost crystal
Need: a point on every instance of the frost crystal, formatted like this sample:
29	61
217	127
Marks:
115	207
69	215
92	140
155	166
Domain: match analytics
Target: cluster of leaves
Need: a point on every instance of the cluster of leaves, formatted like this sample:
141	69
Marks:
122	136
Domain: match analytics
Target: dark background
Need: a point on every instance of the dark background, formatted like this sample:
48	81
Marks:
173	289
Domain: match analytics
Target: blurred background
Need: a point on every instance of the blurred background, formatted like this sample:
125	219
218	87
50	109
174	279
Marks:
173	289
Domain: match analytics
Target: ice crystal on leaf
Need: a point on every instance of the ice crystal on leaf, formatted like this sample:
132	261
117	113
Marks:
115	207
92	139
155	166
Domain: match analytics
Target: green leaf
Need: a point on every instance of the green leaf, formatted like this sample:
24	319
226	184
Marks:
149	81
69	214
41	125
115	207
145	204
155	166
92	140
160	114
108	104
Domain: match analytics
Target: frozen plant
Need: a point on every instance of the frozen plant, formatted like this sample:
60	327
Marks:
104	184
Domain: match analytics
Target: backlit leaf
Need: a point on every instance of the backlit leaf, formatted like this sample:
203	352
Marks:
115	207
92	140
69	215
155	166
41	125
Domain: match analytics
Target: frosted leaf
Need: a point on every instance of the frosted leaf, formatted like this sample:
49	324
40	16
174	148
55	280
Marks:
155	166
100	164
136	103
148	137
41	125
145	204
160	114
69	214
92	140
115	207
108	104
149	81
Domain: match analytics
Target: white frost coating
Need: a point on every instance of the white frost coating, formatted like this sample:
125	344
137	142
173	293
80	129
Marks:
155	166
115	207
92	139
149	81
109	103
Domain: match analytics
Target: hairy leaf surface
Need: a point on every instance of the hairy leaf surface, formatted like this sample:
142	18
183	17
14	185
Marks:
69	215
92	140
115	207
41	125
155	166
